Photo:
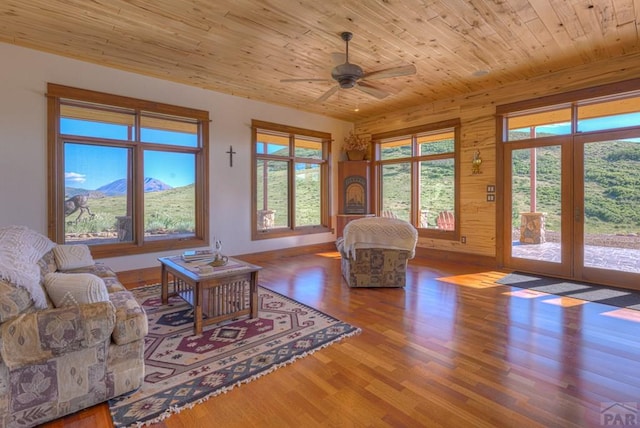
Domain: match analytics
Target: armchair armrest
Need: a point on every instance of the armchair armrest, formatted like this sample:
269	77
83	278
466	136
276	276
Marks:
37	336
340	247
131	319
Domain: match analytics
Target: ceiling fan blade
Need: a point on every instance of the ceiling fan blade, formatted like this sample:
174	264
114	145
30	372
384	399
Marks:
403	70
372	90
304	80
327	94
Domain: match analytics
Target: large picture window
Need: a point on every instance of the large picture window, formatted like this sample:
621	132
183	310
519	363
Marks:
416	174
290	181
128	176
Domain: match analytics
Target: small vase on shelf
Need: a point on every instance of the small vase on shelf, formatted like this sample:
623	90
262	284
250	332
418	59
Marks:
356	146
355	155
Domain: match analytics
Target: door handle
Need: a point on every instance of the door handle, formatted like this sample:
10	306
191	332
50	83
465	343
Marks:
577	214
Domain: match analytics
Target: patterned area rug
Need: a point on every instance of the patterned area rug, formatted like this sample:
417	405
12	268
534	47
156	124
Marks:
182	370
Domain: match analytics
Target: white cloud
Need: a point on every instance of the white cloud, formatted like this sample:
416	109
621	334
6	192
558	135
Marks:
74	177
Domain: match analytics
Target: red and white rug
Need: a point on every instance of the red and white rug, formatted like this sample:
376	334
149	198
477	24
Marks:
182	369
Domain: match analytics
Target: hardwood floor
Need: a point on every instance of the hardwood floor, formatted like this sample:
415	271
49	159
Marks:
451	349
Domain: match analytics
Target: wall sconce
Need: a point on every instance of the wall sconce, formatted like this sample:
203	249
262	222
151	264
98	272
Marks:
475	164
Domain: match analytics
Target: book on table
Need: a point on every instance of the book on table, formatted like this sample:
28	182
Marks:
197	255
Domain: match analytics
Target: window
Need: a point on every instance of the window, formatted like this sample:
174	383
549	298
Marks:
291	181
129	176
581	111
619	111
417	176
539	124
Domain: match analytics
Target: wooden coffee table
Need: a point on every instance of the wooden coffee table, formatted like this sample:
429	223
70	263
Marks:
228	292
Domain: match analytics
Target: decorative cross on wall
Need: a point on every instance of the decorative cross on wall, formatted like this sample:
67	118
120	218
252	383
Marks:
231	153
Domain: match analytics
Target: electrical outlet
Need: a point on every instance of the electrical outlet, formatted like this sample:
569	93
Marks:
491	197
463	239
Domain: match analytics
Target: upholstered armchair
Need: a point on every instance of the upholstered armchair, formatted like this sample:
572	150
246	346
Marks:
71	335
375	251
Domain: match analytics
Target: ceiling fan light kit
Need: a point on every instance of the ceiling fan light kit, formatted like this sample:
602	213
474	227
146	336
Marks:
347	74
350	75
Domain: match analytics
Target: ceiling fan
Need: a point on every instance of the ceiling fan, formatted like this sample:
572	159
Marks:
350	75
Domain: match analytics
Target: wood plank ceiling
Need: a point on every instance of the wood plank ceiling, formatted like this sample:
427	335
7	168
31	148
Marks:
246	47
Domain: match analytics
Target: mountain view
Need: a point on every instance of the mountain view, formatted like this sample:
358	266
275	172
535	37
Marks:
118	188
167	211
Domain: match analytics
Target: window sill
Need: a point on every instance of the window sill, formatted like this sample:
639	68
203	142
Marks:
130	248
285	232
448	235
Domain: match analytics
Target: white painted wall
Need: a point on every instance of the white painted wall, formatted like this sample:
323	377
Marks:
24	75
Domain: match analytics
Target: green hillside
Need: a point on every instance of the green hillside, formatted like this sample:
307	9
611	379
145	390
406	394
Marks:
612	186
169	211
612	194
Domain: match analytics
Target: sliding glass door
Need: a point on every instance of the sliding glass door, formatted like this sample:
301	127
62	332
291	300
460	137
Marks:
571	180
575	208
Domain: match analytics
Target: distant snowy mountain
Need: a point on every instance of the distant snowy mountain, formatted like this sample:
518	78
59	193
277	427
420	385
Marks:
119	187
154	185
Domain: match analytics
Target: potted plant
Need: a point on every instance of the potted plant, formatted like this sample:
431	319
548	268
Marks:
355	146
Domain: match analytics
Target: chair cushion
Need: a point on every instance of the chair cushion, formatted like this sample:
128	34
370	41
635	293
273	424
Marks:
98	269
65	289
39	336
73	256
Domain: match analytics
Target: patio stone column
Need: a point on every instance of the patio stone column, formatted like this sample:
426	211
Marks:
532	228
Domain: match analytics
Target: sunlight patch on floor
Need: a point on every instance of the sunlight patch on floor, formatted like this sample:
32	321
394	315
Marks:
565	302
475	280
526	294
625	314
329	254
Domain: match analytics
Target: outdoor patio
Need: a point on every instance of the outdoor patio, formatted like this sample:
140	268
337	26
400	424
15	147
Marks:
622	259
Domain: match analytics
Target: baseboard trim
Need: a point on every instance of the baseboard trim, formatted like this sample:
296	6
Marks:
140	277
293	251
455	257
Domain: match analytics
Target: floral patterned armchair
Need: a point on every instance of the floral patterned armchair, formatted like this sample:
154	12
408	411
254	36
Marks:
61	355
375	251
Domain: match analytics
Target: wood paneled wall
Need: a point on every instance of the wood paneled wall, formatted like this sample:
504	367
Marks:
477	114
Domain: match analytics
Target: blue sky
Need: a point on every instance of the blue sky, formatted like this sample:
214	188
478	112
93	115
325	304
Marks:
595	124
91	166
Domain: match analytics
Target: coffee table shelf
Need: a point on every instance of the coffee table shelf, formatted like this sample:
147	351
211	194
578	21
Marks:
228	292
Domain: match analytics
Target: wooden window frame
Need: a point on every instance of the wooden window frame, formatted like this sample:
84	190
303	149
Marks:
412	132
56	183
325	181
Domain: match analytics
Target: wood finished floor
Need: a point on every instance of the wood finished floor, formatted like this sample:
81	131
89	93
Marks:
451	349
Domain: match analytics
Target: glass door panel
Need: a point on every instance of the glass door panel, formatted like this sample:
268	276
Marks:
536	204
611	186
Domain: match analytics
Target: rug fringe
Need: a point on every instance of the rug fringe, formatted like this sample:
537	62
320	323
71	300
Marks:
177	409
